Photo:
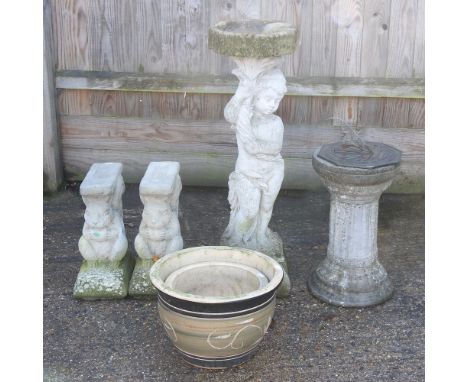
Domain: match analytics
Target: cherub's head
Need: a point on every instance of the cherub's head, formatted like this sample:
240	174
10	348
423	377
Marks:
271	88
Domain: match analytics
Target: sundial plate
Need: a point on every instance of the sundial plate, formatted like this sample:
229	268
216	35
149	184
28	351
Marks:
371	155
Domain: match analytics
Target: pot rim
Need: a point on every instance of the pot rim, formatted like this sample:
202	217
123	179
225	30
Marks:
160	284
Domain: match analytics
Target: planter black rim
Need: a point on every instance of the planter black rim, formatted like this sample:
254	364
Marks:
212	304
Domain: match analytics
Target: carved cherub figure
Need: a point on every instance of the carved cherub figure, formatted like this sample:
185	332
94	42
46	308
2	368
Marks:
259	171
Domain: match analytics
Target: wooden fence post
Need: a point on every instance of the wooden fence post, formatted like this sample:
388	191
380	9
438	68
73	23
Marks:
52	163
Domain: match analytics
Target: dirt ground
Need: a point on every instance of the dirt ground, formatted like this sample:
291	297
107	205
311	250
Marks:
308	341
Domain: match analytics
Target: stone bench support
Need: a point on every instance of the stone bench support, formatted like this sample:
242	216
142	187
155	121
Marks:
106	269
159	232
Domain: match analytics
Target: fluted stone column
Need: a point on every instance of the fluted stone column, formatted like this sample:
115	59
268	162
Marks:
351	274
256	46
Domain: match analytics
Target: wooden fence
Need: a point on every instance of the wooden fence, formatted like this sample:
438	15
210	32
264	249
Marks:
135	82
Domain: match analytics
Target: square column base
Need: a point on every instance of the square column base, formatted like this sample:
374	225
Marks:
140	285
356	288
98	280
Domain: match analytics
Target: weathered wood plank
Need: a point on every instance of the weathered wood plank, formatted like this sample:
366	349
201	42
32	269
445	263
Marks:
160	35
196	37
400	57
100	35
375	34
248	9
52	163
374	56
213	170
74	102
174	29
308	86
323	38
149	42
215	137
416	117
401	38
419	42
293	109
396	112
143	104
70	25
221	10
290	12
349	19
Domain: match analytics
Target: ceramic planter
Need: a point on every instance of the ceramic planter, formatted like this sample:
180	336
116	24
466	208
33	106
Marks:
216	303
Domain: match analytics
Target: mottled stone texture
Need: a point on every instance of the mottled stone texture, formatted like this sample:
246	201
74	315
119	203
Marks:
351	274
159	232
106	270
252	38
103	279
254	184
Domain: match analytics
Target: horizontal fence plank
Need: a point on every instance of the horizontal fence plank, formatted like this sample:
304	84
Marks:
215	137
193	106
213	170
307	86
207	149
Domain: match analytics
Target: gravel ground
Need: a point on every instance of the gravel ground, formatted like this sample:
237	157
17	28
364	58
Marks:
308	341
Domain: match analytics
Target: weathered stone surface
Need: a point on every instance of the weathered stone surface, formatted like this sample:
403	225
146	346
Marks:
159	232
104	272
259	172
309	340
351	274
254	184
252	38
140	284
103	279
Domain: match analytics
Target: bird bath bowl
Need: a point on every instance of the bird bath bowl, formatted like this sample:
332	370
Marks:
252	38
216	303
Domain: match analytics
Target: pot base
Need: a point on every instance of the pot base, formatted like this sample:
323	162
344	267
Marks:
217	363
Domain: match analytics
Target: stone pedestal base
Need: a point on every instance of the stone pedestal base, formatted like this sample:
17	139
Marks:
350	287
140	284
103	280
351	274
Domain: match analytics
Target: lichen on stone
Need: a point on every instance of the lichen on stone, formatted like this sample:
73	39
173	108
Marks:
252	38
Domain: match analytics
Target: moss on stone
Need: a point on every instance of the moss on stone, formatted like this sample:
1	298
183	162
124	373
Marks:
103	279
140	284
252	38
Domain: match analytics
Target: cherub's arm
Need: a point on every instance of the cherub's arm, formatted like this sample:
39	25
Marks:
272	146
243	92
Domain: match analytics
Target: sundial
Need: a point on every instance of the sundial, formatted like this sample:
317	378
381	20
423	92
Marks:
369	155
